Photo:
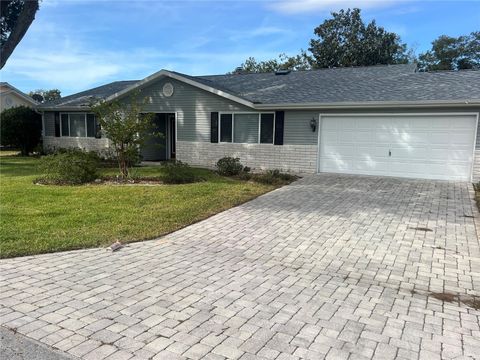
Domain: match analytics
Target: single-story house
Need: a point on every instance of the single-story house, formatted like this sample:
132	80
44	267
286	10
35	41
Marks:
382	120
11	97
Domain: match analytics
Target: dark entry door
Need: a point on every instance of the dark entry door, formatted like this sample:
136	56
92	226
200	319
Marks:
173	136
155	147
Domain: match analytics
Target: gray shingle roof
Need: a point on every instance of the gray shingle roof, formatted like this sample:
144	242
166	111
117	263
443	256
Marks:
362	84
84	98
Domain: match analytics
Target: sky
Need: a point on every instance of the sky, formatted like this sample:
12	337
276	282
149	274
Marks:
74	45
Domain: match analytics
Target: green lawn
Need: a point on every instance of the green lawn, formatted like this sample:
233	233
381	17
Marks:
38	219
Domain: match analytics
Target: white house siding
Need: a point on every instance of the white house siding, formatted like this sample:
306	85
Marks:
9	99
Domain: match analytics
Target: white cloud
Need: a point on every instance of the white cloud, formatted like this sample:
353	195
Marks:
258	32
302	6
77	68
70	70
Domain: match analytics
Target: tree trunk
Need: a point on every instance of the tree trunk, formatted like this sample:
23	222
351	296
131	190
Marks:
25	18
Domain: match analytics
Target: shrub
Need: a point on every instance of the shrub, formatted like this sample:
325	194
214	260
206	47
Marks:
69	166
275	177
21	127
229	166
177	172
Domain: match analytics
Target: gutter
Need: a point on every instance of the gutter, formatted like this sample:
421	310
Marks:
369	105
327	106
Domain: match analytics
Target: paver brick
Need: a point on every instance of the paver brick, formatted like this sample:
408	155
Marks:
331	266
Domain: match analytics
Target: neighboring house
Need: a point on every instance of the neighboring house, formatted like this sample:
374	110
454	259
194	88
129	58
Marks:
381	120
10	97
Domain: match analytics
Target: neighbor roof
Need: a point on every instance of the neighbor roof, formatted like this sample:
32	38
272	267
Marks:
354	85
85	98
17	91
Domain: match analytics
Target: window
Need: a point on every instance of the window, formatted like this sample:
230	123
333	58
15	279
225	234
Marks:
226	128
266	128
247	128
78	125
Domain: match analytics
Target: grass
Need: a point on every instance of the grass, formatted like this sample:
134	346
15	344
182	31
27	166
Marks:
38	219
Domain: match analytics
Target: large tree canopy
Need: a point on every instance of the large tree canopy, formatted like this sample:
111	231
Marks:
452	53
345	40
16	17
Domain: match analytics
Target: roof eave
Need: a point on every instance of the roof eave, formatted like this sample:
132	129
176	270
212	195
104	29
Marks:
63	108
370	104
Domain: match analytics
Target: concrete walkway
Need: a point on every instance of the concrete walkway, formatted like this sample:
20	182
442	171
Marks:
329	267
14	346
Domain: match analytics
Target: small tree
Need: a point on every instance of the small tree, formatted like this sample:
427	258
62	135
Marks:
126	127
21	127
41	95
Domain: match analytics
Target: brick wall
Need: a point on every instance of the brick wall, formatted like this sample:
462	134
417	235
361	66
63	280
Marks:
476	165
101	146
293	158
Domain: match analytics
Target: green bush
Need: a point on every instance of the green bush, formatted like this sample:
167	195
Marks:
177	172
275	177
20	127
69	166
229	166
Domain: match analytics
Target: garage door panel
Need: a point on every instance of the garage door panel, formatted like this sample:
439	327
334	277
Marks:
370	166
406	168
410	153
421	146
363	136
451	155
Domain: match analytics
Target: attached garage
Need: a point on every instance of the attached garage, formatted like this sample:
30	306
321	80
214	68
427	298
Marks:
429	146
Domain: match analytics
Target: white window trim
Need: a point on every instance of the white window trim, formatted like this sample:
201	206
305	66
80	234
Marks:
233	113
69	130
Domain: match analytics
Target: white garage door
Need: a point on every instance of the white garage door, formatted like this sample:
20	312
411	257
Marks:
414	146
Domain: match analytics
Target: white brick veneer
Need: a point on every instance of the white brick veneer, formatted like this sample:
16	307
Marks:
101	146
294	158
476	166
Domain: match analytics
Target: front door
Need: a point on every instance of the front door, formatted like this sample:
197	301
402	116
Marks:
155	147
172	135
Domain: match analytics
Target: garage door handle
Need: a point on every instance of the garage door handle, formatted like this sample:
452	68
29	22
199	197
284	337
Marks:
389	152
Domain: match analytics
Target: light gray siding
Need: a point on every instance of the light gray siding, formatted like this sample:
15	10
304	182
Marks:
49	123
297	130
191	105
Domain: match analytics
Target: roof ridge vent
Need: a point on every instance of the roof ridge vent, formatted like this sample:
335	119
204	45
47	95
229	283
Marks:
283	72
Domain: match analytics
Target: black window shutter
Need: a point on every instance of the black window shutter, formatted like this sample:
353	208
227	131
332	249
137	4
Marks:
214	127
57	124
279	120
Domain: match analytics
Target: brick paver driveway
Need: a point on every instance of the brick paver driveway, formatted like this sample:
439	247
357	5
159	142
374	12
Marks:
329	267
